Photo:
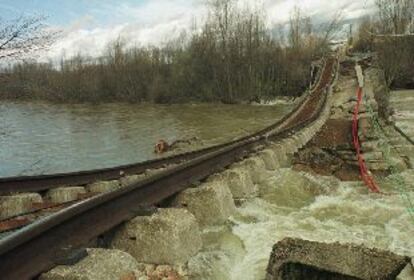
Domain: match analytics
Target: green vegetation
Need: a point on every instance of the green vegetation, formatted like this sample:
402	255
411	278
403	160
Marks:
232	58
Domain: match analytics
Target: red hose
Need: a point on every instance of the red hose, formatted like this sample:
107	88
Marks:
365	174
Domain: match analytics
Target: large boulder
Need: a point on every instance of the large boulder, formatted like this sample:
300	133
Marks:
171	236
300	259
211	203
13	205
65	194
100	264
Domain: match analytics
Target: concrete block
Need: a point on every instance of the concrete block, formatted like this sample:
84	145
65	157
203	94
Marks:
280	155
103	187
100	264
211	203
407	273
373	156
239	182
300	259
256	167
269	159
65	194
129	180
171	236
13	205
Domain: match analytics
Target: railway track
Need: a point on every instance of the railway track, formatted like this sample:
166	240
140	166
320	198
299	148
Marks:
36	248
41	183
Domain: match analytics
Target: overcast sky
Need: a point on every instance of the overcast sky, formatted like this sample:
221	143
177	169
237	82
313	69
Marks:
90	24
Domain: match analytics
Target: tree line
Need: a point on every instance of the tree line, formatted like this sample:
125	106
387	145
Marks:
390	34
233	57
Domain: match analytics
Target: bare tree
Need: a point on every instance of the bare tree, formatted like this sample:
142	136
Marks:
24	35
396	16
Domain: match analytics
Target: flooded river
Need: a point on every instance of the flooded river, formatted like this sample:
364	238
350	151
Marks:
293	204
37	138
318	208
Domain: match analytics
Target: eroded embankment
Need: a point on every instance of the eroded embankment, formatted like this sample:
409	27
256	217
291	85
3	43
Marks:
226	227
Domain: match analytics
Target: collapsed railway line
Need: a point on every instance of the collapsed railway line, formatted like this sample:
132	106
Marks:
34	249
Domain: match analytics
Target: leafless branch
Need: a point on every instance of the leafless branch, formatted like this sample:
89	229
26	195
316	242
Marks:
23	36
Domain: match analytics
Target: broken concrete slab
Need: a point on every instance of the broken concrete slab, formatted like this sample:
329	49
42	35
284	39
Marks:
301	259
211	203
170	236
407	273
100	264
13	205
65	194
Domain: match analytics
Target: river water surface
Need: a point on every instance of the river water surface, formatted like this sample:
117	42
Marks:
318	208
39	138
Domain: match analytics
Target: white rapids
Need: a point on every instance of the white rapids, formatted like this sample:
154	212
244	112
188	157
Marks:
295	204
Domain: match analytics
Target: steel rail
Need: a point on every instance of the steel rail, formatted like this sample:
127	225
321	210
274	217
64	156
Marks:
34	249
45	182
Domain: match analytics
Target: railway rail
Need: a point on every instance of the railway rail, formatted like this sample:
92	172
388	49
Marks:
40	183
38	247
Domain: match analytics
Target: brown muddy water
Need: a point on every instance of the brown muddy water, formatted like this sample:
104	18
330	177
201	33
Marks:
39	138
318	208
295	204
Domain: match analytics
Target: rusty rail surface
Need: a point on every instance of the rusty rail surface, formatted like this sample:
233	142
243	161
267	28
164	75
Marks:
36	248
45	182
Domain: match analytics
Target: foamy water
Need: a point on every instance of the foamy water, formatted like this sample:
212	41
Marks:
313	208
317	208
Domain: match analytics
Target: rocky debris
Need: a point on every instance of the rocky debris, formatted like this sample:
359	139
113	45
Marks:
100	264
211	203
300	259
14	205
103	187
171	236
65	194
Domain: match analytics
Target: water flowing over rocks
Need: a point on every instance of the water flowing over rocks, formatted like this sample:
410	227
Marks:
208	237
300	259
270	159
171	236
289	188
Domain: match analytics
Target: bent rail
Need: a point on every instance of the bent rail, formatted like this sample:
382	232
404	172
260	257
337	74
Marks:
46	182
34	249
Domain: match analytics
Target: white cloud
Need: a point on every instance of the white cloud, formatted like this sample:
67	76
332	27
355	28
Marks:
159	20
